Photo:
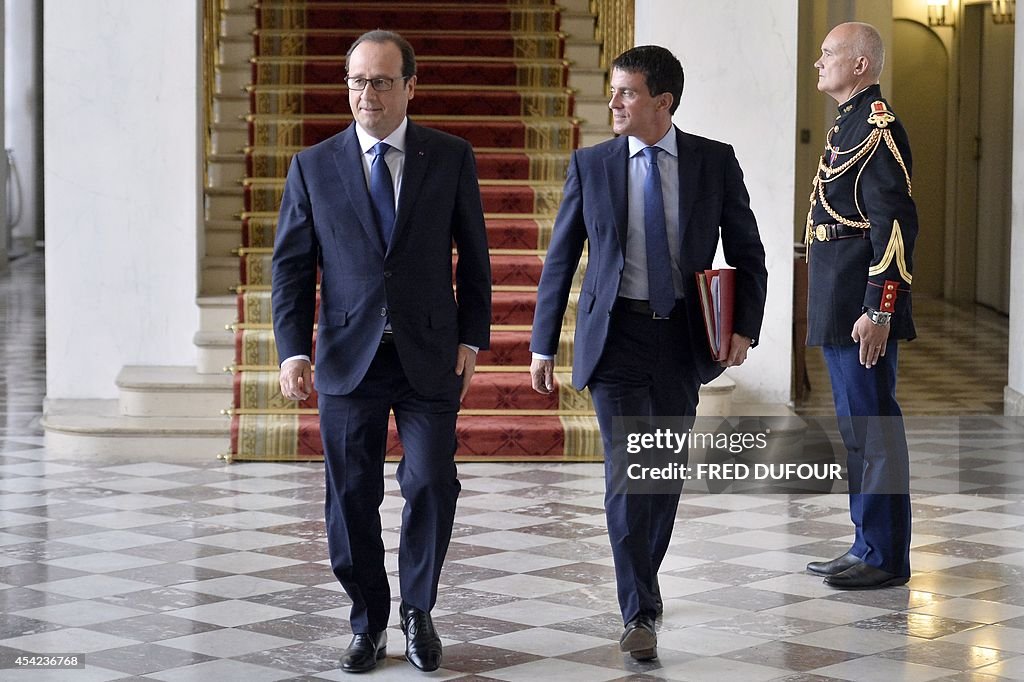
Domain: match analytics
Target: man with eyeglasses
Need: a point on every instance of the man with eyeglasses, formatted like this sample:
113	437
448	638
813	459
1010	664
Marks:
378	207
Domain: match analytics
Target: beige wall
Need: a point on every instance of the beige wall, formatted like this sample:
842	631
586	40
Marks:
919	96
740	63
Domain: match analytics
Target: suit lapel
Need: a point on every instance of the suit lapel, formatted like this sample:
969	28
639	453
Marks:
615	169
690	163
349	161
416	161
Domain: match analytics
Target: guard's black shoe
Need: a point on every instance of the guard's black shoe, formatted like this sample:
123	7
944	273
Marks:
837	565
864	577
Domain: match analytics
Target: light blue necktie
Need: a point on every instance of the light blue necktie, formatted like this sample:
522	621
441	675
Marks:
382	192
661	294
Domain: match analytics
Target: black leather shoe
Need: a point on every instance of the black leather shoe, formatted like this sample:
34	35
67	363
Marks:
422	645
638	639
364	651
860	576
837	565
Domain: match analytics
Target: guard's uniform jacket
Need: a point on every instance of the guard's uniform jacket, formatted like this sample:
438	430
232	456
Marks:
862	224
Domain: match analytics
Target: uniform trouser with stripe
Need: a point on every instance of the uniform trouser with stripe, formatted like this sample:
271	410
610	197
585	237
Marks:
872	429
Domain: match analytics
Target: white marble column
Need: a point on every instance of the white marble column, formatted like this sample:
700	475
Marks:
21	113
122	186
1014	391
740	64
3	167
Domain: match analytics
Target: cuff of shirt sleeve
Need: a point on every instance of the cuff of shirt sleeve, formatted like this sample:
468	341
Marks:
475	349
542	356
297	357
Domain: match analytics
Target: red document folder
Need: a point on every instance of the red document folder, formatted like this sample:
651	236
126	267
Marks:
717	297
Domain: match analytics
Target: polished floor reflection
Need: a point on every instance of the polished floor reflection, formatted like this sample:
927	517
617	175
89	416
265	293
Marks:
167	571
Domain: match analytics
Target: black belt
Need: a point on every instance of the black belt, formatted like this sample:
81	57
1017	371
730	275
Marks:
829	231
388	338
637	307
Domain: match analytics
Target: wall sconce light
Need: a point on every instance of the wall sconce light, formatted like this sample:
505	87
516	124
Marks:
940	14
1004	11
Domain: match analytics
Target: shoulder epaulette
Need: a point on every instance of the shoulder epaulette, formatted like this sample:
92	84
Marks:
880	114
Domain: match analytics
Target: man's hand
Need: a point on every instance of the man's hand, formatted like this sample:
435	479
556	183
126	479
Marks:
465	366
872	339
738	348
542	375
296	379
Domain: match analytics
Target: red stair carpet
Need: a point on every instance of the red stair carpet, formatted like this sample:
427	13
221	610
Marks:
499	81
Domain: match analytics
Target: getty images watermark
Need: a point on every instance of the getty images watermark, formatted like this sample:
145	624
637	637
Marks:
669	441
785	454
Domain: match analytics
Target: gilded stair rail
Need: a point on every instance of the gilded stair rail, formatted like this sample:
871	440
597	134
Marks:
211	33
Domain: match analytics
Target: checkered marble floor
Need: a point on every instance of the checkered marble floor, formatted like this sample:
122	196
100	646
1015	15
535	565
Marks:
170	572
165	571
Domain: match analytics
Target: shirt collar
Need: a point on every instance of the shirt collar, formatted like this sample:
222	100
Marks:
667	143
396	139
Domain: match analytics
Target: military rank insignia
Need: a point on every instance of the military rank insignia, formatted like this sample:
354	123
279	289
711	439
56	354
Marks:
880	115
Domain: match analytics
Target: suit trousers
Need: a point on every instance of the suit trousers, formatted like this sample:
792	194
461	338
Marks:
878	463
354	428
645	372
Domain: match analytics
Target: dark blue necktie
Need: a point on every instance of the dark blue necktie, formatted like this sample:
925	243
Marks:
382	192
660	291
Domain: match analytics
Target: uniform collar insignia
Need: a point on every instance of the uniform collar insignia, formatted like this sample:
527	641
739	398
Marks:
868	94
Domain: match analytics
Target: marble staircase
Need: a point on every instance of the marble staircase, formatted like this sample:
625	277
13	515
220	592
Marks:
215	349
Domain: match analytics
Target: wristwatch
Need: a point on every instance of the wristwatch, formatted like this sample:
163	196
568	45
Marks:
878	317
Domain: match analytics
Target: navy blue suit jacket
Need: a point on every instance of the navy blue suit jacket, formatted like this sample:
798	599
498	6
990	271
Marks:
326	219
713	201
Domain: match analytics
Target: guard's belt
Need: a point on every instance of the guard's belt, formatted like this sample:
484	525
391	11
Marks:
830	231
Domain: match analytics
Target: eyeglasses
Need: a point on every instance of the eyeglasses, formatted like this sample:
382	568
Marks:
378	84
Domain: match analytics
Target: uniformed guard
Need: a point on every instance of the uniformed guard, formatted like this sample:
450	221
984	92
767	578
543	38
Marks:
861	230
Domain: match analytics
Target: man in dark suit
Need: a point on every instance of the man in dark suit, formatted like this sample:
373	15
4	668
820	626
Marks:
378	207
861	230
650	205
